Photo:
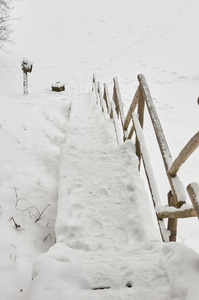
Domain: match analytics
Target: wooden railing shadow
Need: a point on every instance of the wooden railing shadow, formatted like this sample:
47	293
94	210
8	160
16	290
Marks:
133	123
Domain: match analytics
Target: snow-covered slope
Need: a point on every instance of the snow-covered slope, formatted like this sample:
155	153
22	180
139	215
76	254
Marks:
107	246
68	41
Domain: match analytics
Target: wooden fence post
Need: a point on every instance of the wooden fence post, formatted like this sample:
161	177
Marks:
172	223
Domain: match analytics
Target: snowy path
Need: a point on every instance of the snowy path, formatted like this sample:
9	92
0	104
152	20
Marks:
99	186
107	245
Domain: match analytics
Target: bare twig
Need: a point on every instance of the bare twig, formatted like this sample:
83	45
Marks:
17	198
46	238
34	212
16	225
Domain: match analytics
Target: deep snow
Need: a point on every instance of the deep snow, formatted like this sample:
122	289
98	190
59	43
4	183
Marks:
68	41
107	246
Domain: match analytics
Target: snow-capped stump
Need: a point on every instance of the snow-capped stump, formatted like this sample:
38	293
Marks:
58	86
129	284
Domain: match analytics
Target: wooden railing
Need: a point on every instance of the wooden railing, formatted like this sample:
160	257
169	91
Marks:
133	123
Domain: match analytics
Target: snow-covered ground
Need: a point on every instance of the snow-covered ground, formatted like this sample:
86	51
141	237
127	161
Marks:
107	246
69	41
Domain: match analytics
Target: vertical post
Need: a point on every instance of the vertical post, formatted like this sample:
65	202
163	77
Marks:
26	68
25	82
172	223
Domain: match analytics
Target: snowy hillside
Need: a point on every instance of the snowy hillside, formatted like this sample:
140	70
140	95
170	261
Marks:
69	40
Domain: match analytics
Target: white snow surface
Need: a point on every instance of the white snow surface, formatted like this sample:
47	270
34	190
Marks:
106	246
68	41
101	199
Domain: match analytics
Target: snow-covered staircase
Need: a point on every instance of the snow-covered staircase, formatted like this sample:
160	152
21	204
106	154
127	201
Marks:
107	245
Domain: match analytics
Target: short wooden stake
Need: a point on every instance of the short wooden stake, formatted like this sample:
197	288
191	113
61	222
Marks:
172	223
26	68
25	82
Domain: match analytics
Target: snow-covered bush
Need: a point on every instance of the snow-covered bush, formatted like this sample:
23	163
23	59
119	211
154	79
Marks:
5	8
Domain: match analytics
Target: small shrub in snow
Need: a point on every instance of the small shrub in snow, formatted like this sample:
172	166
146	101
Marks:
5	8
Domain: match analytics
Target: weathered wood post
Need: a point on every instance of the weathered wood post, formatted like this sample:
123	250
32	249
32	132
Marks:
172	223
26	68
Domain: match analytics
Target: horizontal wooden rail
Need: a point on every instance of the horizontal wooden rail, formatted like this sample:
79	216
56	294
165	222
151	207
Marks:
190	147
177	214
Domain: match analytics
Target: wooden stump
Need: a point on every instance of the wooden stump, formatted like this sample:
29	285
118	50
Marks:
58	86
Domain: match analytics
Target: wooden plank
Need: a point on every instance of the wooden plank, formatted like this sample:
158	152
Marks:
131	132
146	161
94	81
190	147
178	214
101	98
119	106
94	87
164	149
132	108
156	123
141	121
138	151
193	191
107	100
110	109
115	99
148	168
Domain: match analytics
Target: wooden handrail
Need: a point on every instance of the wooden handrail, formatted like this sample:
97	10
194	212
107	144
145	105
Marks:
149	171
156	123
190	147
164	149
176	197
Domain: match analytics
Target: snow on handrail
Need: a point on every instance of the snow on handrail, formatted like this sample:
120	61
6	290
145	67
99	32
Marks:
177	196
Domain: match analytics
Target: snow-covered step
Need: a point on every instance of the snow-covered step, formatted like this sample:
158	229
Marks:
152	271
107	244
102	201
